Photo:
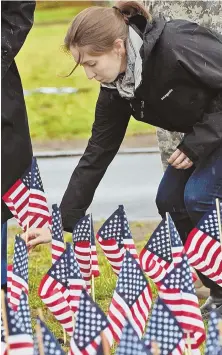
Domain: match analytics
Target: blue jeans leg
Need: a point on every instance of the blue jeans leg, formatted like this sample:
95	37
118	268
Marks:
4	254
188	194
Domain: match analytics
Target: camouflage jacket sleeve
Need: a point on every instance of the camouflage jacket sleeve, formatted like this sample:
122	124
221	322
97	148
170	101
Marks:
207	13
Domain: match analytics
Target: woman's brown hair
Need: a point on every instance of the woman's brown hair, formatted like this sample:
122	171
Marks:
98	27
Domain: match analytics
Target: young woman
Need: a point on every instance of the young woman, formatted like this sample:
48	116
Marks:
168	74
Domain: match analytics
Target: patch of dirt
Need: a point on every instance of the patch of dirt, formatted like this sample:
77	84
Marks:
137	141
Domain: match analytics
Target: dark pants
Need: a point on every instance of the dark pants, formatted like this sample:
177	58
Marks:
4	254
188	194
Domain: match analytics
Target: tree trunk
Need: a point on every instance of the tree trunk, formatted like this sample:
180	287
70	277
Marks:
204	12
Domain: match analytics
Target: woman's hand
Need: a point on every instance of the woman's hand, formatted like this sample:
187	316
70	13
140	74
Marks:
179	160
37	236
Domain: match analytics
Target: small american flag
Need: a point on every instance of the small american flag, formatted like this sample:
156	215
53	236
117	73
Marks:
176	242
203	246
115	238
54	292
19	340
213	343
50	344
24	314
132	299
156	257
130	343
164	329
19	276
85	249
58	246
90	322
178	292
38	212
75	280
17	198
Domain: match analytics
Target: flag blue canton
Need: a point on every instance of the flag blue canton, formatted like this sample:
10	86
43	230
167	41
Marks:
72	264
15	325
58	270
174	235
130	343
163	328
24	313
131	281
50	343
57	229
26	177
113	228
82	230
159	243
20	259
36	181
213	345
90	321
180	277
209	223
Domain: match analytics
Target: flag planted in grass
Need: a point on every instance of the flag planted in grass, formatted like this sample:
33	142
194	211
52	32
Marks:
115	238
19	273
24	314
58	246
85	249
214	342
75	279
90	323
164	329
27	201
178	293
163	251
17	198
19	341
204	248
38	211
132	299
50	344
54	292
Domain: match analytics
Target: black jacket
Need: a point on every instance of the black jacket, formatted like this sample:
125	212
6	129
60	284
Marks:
180	91
17	20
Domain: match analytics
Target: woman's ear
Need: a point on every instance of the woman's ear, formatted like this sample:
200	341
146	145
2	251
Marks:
119	47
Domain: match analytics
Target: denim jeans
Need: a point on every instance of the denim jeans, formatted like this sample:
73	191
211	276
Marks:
188	194
4	254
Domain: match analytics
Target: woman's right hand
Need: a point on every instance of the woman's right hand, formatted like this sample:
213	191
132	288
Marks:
37	236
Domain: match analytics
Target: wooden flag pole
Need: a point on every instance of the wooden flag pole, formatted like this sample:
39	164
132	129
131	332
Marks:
93	288
220	331
5	321
27	232
64	337
189	350
155	348
39	339
105	344
219	220
92	277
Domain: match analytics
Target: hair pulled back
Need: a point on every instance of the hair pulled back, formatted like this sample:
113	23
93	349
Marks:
98	27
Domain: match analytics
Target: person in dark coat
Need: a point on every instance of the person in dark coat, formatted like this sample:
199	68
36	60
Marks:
17	20
168	74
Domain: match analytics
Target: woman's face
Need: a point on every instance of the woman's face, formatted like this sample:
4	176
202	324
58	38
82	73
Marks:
105	67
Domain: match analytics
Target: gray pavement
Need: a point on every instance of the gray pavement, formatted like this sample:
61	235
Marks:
131	180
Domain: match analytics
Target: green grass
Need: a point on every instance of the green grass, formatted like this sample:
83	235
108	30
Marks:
42	62
52	15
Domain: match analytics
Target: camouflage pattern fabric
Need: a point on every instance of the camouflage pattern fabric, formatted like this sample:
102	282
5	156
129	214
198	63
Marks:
206	13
